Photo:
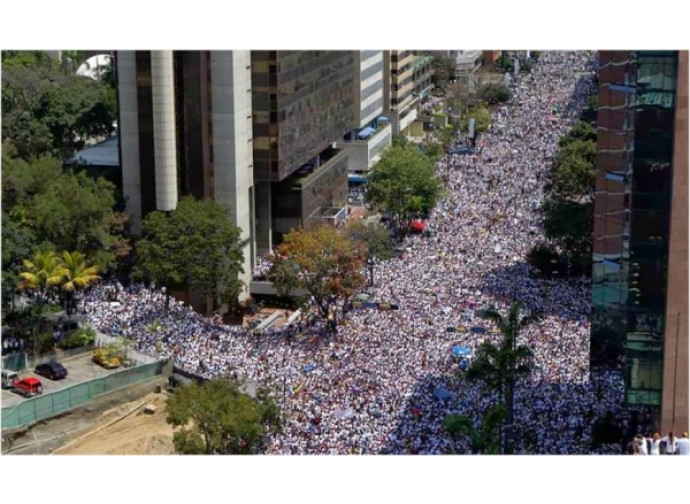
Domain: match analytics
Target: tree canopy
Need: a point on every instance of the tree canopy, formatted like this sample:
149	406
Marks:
48	110
493	93
375	237
482	119
444	69
569	203
574	171
216	419
404	182
582	131
60	209
324	262
195	246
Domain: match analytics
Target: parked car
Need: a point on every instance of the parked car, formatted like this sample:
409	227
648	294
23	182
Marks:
52	370
8	378
107	358
28	387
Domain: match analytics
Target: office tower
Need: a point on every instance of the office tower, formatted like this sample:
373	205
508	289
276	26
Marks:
185	128
373	132
640	252
400	95
303	103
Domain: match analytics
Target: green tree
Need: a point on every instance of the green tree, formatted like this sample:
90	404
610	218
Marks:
444	70
484	439
216	419
75	275
573	173
493	93
482	119
582	131
434	150
499	367
399	141
69	211
404	182
569	204
323	262
195	246
18	242
375	238
48	110
12	59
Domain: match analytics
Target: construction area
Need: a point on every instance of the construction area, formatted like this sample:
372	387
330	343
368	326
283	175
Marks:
130	420
134	428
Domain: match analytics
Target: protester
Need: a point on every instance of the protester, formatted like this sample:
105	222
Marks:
371	388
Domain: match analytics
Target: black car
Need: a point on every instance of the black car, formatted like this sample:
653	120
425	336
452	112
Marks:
51	370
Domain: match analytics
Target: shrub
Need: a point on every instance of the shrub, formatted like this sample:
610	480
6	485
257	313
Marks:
80	337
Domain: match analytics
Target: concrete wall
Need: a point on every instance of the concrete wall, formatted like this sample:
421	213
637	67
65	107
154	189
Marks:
232	134
674	411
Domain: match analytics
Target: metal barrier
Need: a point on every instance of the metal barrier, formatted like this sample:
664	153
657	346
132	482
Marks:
54	403
15	362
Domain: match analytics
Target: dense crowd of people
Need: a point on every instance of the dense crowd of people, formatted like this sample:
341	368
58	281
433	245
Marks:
371	389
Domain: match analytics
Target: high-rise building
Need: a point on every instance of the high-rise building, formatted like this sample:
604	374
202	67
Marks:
398	71
640	251
373	133
185	128
303	103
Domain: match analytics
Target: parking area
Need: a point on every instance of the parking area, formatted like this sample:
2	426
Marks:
79	368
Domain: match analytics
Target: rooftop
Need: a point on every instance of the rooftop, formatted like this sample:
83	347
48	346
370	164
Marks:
104	153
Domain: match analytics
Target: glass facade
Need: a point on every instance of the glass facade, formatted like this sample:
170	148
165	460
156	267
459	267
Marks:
632	208
302	102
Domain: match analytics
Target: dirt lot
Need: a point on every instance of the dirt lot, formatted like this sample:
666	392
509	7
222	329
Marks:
126	430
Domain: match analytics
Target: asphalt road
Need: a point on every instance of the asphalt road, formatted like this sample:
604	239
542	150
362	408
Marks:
79	369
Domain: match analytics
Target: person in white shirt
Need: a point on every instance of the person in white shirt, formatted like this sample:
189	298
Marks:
670	441
641	445
683	445
655	441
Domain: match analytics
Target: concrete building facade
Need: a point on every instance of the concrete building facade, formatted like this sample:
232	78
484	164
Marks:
185	128
303	102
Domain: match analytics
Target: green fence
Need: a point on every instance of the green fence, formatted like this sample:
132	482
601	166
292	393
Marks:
49	405
15	362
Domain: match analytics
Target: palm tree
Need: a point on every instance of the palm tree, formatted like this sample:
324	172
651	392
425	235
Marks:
484	439
75	275
40	274
499	367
